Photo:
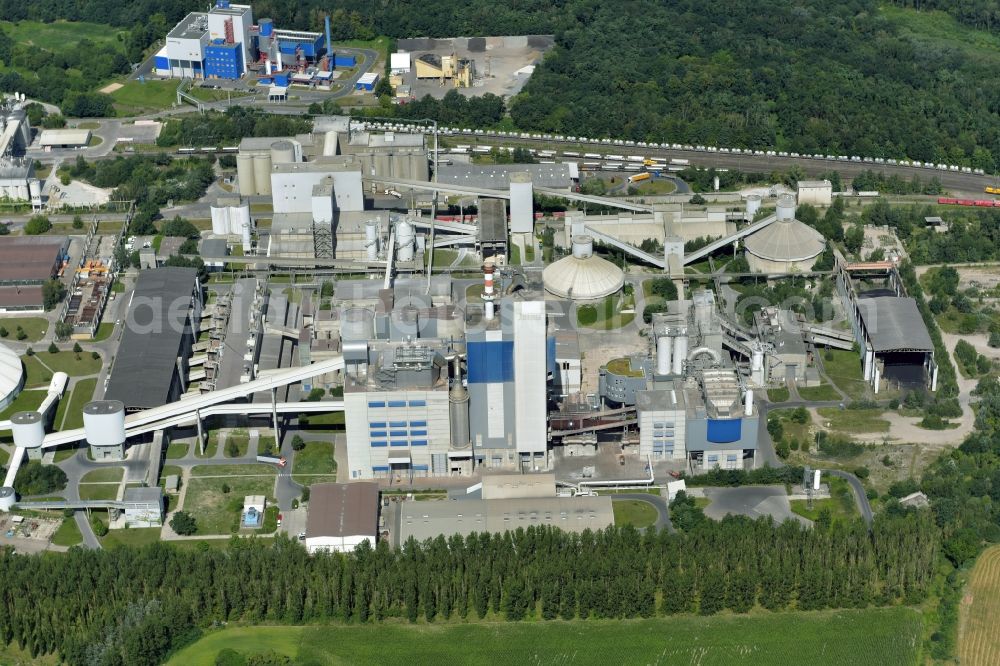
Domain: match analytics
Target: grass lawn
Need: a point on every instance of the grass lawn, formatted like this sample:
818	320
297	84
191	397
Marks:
4	456
34	327
237	444
99	491
886	637
104	331
104	475
604	315
59	35
251	469
66	451
778	394
853	420
217	512
176	450
656	186
211	446
36	374
843	367
819	393
331	420
840	505
68	533
515	255
529	251
791	428
131	537
634	512
316	458
72	413
136	97
73	364
26	401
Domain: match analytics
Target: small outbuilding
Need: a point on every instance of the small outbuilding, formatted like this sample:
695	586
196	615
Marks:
143	507
253	511
64	138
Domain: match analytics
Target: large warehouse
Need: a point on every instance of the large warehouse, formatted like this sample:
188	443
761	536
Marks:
151	367
26	262
341	516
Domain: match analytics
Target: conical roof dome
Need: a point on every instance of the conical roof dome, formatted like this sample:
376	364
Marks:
786	240
582	275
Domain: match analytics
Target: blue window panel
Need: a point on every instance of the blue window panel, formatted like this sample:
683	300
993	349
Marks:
418	403
418	442
550	355
418	424
397	433
713	459
420	468
416	433
398	442
397	403
380	468
397	424
376	433
376	404
378	443
723	431
490	362
730	458
377	424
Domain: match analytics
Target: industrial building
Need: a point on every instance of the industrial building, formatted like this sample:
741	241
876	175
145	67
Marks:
17	172
12	375
341	516
787	246
143	507
151	368
225	43
815	192
583	276
562	176
505	503
26	263
64	138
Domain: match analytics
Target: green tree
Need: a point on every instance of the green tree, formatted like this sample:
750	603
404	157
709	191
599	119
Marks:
183	523
77	222
53	349
53	291
38	224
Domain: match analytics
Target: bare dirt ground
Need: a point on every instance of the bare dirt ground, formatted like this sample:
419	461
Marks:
110	88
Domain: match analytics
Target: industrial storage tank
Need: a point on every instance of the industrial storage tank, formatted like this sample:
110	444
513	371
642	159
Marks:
583	275
220	219
262	173
245	175
753	205
282	152
786	207
28	430
104	422
404	241
358	324
35	188
458	401
7	498
12	376
371	239
241	225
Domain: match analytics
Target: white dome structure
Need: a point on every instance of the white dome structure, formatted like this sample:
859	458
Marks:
786	245
583	276
11	376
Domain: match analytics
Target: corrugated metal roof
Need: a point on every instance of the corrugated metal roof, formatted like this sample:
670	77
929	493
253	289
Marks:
497	177
786	240
342	509
894	324
65	137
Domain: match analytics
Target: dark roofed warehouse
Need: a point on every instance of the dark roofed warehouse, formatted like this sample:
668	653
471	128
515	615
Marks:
151	366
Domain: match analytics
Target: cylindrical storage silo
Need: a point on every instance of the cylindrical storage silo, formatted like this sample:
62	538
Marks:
583	246
266	26
663	352
28	429
357	325
757	359
282	152
244	174
748	403
404	241
104	422
262	173
786	207
7	498
239	219
371	240
753	205
680	352
220	220
35	188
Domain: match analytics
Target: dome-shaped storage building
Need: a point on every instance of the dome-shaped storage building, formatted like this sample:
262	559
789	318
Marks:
11	376
583	276
786	245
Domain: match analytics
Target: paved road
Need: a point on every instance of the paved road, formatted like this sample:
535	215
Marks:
657	502
859	493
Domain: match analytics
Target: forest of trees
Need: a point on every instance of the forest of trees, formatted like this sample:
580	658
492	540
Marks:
217	128
132	605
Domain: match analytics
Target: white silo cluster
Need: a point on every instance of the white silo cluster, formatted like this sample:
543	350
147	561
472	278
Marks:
104	425
231	217
405	241
671	351
372	239
28	430
753	203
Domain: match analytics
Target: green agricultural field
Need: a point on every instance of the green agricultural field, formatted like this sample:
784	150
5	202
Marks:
218	512
634	512
58	35
34	327
871	637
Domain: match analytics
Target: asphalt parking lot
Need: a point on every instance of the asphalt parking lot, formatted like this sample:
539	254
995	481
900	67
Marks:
752	501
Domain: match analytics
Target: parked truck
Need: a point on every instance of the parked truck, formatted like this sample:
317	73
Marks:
635	178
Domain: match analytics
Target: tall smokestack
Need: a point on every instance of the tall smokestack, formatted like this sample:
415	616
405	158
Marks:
488	294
